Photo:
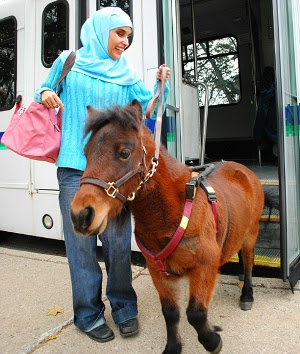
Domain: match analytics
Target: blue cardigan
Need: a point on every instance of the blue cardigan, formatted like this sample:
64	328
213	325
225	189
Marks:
78	92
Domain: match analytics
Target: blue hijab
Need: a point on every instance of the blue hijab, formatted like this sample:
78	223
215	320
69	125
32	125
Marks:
93	58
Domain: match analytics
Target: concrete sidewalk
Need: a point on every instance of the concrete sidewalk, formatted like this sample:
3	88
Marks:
33	283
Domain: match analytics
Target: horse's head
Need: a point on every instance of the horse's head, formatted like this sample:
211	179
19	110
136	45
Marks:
115	157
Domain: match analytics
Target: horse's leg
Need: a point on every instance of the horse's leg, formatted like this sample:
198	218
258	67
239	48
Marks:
168	294
241	267
246	299
202	283
171	314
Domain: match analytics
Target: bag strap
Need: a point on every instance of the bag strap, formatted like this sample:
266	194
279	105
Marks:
66	68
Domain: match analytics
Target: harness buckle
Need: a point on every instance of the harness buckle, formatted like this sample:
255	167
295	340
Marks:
212	197
111	191
190	190
210	192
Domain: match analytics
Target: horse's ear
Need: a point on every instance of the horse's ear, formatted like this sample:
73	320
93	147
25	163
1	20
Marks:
137	108
91	111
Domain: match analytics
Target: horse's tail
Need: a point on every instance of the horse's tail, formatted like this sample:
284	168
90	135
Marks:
272	198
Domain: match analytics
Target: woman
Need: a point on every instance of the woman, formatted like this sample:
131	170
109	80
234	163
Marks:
101	77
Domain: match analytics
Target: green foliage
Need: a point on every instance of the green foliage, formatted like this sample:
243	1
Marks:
217	66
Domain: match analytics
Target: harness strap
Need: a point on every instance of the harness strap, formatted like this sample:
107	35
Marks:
212	198
127	177
215	212
199	180
169	248
111	188
228	226
190	190
99	183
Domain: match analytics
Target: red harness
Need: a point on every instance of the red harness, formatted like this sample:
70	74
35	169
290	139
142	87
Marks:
157	259
190	193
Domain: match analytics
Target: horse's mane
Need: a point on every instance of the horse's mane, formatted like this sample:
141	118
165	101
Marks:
122	115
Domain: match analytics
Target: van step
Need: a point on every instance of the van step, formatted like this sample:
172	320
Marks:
267	249
264	257
270	218
272	187
269	182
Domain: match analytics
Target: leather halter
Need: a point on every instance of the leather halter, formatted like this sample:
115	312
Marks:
112	188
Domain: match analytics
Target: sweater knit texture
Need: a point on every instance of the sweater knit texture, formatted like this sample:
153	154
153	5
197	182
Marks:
79	91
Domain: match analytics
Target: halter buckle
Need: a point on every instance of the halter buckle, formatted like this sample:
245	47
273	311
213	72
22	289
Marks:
131	197
154	165
111	191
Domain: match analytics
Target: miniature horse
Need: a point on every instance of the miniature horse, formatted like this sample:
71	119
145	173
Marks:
121	149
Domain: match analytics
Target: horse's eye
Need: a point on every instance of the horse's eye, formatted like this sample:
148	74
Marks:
125	153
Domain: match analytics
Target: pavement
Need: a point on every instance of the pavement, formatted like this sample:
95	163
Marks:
36	311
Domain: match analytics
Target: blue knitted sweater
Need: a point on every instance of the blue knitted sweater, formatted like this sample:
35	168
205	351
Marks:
78	92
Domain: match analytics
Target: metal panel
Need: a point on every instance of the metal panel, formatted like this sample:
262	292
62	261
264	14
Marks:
287	100
191	140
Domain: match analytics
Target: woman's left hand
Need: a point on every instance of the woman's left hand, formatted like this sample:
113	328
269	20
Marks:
159	72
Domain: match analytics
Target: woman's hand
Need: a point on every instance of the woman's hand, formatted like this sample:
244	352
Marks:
159	72
51	100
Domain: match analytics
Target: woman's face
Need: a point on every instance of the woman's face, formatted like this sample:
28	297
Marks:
118	41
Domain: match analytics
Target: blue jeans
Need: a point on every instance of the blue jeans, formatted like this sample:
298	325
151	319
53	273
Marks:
86	275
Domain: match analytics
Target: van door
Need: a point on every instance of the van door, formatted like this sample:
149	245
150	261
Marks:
287	49
222	32
15	173
55	30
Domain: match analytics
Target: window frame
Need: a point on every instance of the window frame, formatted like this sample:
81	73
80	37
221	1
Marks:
46	65
7	108
98	7
209	56
130	13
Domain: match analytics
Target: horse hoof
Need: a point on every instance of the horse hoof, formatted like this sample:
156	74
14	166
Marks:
245	306
219	347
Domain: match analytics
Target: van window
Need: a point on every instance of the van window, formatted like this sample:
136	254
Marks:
123	4
218	67
8	59
55	31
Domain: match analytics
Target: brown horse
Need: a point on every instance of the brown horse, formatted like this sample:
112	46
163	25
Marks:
121	149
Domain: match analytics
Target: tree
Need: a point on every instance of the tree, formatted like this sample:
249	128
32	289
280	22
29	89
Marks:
217	65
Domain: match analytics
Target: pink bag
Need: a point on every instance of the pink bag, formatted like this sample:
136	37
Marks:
34	132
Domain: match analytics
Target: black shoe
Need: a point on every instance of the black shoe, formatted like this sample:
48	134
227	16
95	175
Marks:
129	328
101	334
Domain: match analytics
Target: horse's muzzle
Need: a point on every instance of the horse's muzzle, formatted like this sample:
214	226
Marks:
83	220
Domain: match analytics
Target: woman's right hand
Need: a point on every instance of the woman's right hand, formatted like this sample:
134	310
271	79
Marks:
51	100
159	72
